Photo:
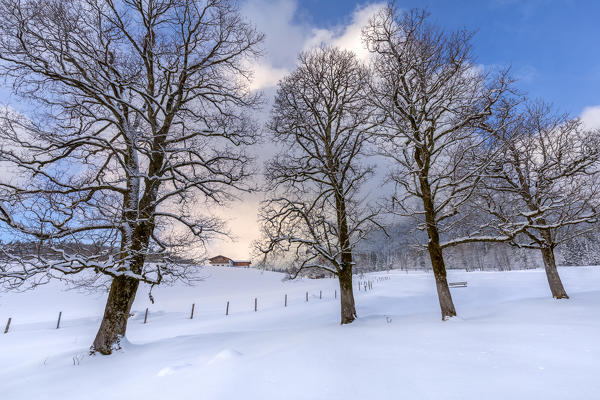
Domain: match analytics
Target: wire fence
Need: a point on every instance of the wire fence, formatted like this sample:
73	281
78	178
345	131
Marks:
361	286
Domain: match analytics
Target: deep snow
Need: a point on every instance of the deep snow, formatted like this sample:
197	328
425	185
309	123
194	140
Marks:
511	340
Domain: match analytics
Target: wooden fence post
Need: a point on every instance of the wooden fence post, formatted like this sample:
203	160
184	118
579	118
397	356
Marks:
335	294
320	294
146	315
192	314
7	325
255	304
58	322
285	302
227	308
307	297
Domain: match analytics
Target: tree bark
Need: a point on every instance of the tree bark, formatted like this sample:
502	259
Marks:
114	322
348	309
556	286
441	282
435	251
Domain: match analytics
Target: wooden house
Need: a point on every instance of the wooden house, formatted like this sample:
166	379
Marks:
222	261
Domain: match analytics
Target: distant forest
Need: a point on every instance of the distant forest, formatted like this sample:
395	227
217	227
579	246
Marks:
404	248
53	251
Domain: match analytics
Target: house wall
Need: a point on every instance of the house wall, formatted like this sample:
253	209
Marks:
222	261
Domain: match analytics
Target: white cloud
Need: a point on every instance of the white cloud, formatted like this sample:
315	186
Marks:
350	35
265	76
591	117
286	36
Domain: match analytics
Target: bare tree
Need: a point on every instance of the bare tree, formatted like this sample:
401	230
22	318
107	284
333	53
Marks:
436	103
315	213
139	125
543	181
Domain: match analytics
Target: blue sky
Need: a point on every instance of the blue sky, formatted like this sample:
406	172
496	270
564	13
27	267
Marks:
552	45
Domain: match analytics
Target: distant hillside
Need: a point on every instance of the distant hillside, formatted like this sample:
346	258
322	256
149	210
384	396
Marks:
35	249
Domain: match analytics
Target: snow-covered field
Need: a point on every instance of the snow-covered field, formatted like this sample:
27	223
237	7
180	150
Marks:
511	340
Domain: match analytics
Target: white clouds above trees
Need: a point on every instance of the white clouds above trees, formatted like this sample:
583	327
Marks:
287	35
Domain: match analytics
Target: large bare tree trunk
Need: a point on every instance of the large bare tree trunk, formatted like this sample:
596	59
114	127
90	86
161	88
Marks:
556	286
346	293
441	282
348	309
435	252
114	322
